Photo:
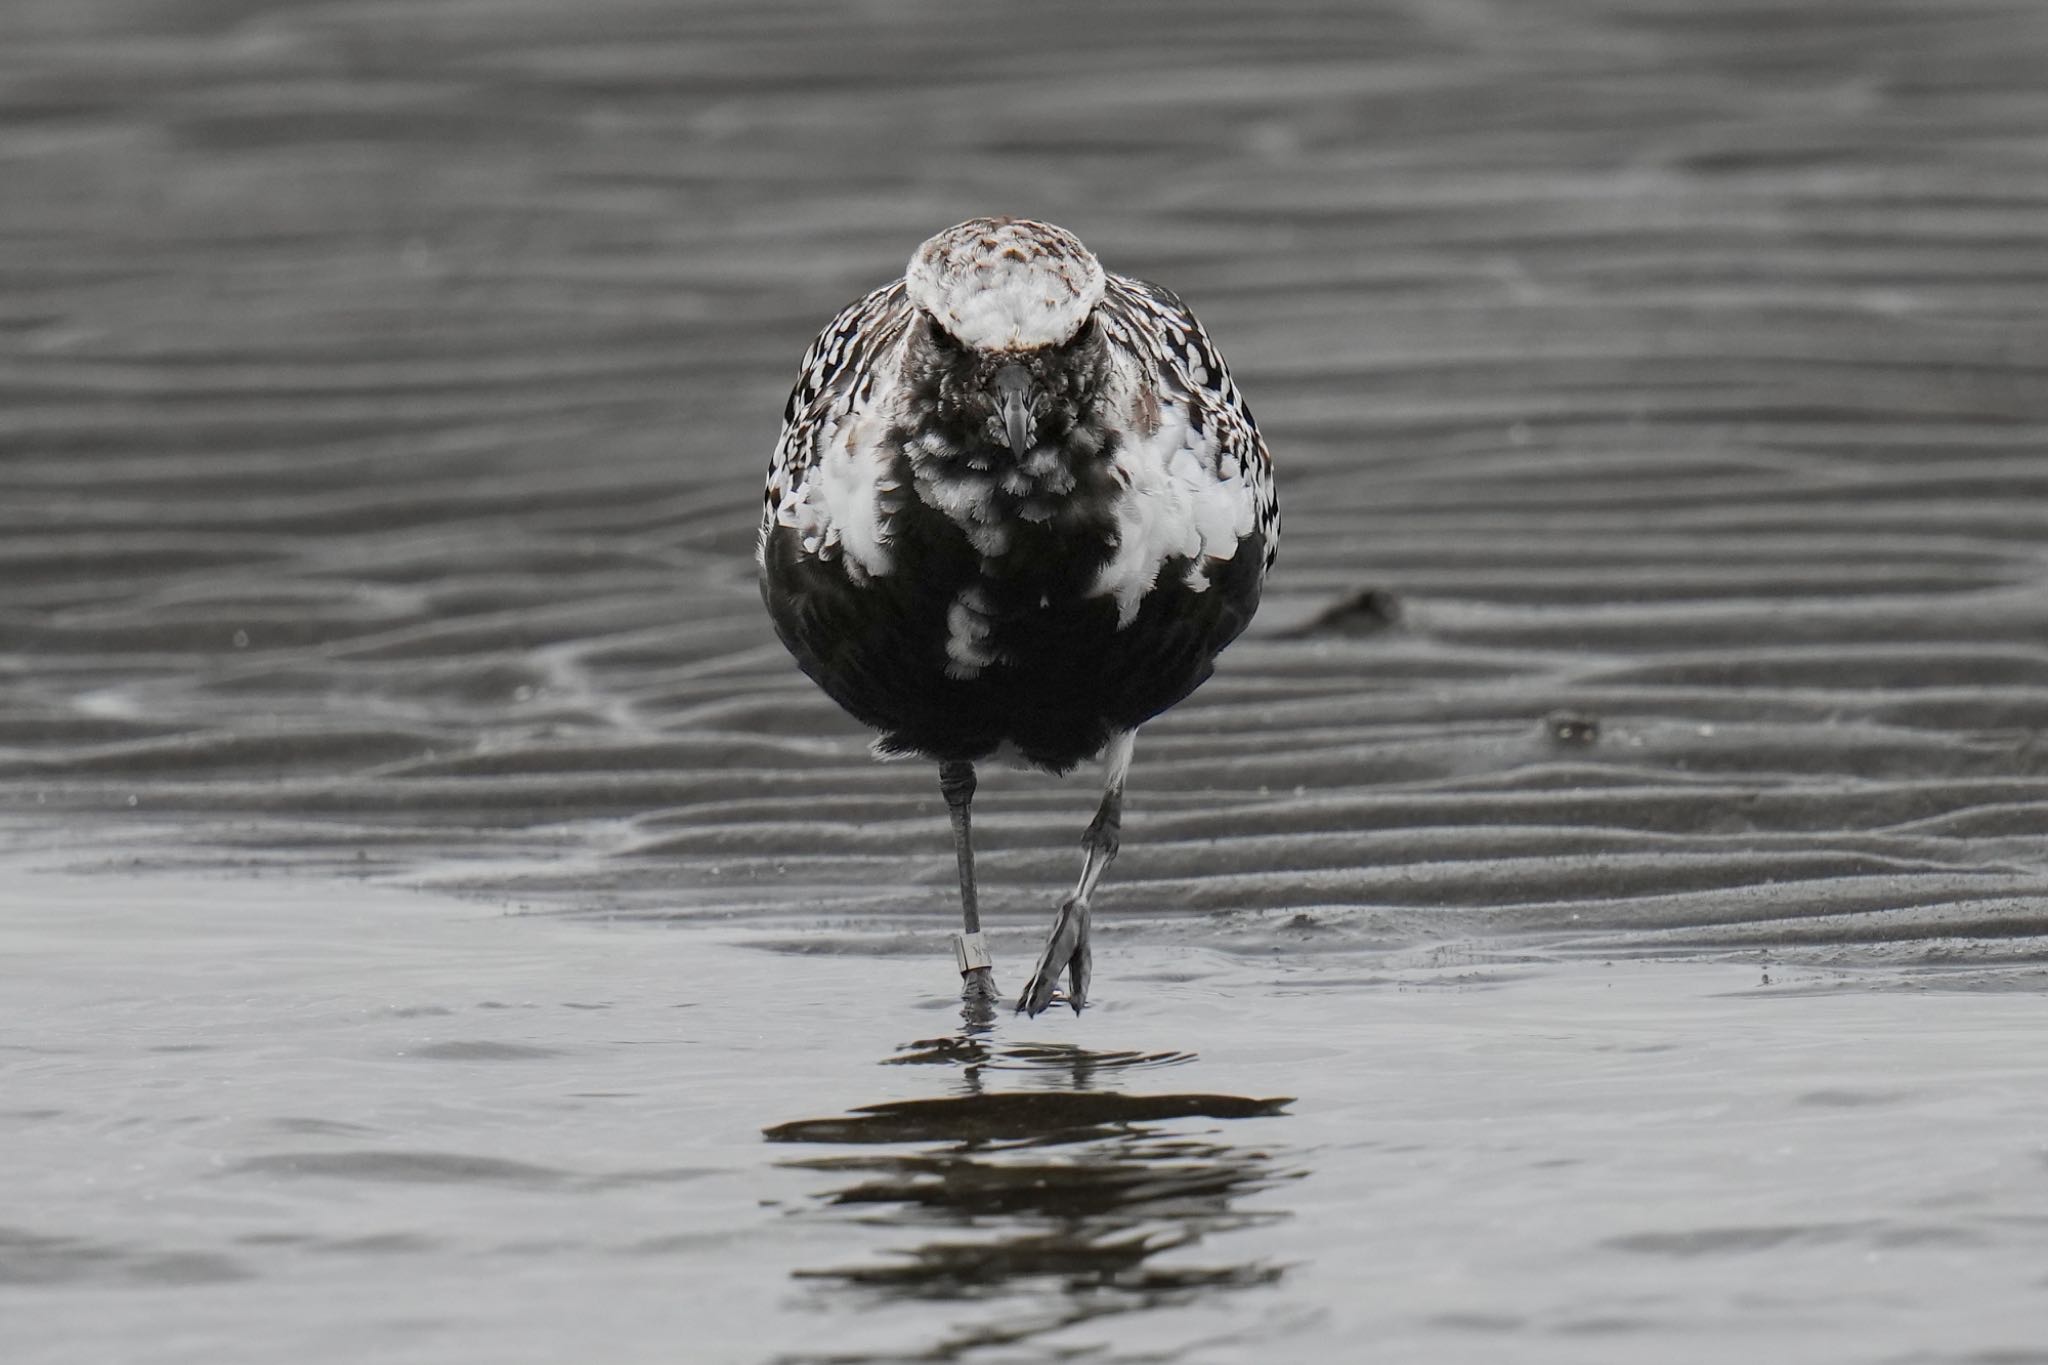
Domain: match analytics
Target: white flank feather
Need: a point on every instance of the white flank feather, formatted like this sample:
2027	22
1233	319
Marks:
1174	504
839	508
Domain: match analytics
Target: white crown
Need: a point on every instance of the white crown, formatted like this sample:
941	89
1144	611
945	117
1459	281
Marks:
1006	284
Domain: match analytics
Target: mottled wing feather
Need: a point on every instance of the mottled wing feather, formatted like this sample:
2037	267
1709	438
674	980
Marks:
1152	322
837	377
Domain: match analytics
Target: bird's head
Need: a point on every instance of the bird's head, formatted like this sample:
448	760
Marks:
1006	325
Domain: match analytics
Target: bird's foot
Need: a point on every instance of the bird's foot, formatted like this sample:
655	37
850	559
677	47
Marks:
1066	950
978	1000
977	968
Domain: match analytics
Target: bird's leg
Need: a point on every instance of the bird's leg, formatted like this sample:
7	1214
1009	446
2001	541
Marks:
970	947
1066	947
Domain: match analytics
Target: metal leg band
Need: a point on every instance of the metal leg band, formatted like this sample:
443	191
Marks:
971	951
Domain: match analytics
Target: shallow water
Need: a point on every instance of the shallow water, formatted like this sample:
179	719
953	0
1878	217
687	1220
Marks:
301	1120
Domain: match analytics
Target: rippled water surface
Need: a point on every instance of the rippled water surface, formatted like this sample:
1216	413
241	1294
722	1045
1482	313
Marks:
314	1122
1657	392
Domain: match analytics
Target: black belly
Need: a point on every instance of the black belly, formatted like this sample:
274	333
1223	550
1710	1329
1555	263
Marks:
1067	679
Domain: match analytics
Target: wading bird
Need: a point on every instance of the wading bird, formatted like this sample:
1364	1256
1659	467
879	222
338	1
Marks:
1016	510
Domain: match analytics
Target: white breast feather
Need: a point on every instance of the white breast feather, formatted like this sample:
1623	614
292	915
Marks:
968	628
1173	503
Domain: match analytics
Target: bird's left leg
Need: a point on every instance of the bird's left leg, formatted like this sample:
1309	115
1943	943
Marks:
1066	947
977	974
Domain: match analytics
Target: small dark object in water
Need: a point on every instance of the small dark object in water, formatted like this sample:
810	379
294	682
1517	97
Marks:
1572	727
1367	611
1017	509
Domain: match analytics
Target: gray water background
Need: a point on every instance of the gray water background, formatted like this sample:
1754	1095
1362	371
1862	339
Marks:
267	1120
1657	396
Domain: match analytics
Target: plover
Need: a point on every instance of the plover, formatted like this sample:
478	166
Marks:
1017	508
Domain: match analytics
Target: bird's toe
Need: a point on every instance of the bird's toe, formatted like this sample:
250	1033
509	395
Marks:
1064	948
1079	970
978	984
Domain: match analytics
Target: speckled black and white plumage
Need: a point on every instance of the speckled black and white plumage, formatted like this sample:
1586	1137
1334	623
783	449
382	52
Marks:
1018	507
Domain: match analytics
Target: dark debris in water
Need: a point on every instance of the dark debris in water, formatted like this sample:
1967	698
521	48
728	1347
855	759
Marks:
1368	611
1572	728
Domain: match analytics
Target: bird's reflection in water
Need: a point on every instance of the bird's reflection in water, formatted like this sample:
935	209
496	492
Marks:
1040	1192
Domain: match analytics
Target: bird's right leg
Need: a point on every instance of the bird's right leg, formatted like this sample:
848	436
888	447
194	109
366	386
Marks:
1066	947
970	947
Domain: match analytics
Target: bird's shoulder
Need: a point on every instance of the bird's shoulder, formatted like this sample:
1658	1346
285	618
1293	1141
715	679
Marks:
1154	326
838	374
1177	364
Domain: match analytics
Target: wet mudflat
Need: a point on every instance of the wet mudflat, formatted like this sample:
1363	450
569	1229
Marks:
1657	397
322	1123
